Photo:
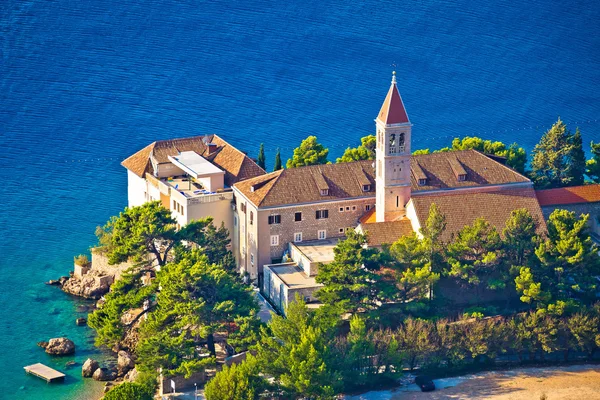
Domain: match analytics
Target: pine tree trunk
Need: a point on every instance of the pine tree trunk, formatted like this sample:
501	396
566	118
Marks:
210	343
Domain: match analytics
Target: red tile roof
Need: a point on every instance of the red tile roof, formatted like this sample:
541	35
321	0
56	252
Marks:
463	208
237	165
392	111
379	233
569	195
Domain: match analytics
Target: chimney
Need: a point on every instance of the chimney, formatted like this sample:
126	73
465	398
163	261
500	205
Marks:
212	148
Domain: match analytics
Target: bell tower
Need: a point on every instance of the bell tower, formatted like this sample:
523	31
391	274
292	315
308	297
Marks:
392	157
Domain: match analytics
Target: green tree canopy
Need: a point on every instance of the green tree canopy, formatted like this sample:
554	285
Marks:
296	351
516	157
128	391
593	164
568	259
474	257
366	150
261	156
139	231
196	299
350	281
237	382
310	152
558	158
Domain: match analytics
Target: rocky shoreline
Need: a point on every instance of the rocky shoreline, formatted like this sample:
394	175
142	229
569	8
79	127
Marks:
92	281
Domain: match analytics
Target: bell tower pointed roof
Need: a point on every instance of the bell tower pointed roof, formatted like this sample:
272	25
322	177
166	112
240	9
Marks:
392	111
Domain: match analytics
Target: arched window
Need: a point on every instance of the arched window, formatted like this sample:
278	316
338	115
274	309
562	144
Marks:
401	143
392	147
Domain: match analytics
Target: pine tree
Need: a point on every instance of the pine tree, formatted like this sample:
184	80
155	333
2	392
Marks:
261	156
350	280
593	164
310	152
366	150
475	257
558	158
277	161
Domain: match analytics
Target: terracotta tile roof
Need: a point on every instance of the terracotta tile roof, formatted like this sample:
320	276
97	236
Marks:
298	185
392	111
345	180
463	208
368	217
569	195
379	233
237	165
441	170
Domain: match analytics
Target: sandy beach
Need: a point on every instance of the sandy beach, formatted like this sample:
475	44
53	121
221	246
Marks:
557	383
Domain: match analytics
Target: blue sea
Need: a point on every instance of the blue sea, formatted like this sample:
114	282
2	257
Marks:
84	84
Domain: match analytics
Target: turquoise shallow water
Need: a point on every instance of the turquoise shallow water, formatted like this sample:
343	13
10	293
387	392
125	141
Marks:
85	83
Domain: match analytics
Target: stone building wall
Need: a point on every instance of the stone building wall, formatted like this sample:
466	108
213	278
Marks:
583	208
101	266
310	225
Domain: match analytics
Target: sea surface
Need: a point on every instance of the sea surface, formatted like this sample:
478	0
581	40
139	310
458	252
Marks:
84	84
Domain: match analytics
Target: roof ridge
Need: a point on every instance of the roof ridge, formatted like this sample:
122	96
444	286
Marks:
272	186
503	165
239	151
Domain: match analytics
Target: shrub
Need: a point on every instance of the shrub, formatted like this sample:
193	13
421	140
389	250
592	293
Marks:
128	391
82	260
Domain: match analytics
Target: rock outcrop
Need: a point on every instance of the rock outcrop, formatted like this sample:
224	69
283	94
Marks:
91	286
80	321
89	367
103	374
124	363
131	375
59	346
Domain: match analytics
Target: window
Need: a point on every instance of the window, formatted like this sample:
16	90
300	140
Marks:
322	214
243	207
322	234
392	143
341	209
367	207
274	219
462	177
251	218
366	188
347	208
298	237
324	192
174	205
274	240
341	230
422	182
353	208
182	211
234	220
401	143
252	258
298	216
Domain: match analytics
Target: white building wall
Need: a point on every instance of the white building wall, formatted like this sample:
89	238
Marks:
136	190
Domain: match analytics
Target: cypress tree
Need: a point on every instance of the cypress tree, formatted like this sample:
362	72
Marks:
593	165
261	156
577	160
277	161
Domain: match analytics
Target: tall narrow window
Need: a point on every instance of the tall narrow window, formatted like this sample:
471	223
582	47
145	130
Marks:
392	146
251	218
397	201
322	234
401	143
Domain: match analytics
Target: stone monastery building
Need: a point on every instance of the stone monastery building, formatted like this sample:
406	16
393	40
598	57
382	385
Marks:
297	215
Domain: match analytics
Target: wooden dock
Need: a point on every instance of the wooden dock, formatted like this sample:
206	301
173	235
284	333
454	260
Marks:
44	372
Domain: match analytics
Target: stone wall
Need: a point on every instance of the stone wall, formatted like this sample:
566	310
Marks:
101	266
181	383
